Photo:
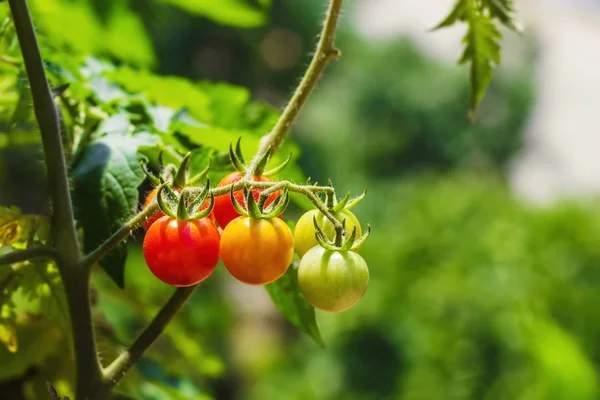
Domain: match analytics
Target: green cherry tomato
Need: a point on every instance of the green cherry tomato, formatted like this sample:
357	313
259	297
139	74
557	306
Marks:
257	251
332	281
304	233
182	253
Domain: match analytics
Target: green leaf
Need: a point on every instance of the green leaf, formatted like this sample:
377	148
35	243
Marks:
238	13
482	48
503	10
76	26
106	184
287	297
168	91
483	52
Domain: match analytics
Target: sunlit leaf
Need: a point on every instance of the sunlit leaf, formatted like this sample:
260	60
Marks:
227	12
105	191
8	337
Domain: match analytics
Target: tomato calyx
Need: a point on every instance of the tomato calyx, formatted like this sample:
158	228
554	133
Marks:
237	160
349	243
177	176
346	203
257	210
180	207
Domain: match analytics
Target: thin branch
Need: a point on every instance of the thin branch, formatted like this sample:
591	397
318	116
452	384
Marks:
324	53
115	371
47	118
23	255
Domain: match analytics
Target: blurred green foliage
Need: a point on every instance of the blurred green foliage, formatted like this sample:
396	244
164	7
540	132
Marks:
474	294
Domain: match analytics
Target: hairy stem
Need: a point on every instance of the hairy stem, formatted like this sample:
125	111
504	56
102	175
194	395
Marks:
115	371
23	255
324	53
65	236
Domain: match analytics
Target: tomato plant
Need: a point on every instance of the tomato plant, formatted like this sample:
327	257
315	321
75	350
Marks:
182	253
224	212
332	280
97	122
257	251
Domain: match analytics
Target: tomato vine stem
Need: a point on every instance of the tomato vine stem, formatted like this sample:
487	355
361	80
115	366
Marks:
28	254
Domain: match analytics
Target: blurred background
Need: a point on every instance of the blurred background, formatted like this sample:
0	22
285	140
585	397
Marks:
485	255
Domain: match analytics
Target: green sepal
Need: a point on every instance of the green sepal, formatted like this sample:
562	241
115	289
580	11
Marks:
240	210
279	168
254	210
347	246
154	180
279	206
339	206
262	163
161	203
182	211
362	239
356	200
181	175
236	157
204	213
195	210
238	151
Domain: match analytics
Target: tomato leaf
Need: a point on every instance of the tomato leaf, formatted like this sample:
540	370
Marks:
287	297
106	181
482	48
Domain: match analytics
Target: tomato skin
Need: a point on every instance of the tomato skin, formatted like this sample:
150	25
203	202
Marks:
304	233
257	251
182	253
332	281
224	212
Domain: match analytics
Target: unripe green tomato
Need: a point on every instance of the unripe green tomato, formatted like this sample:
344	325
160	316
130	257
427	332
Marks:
304	233
332	281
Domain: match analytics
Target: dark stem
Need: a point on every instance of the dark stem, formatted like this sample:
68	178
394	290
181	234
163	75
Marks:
89	384
63	224
28	254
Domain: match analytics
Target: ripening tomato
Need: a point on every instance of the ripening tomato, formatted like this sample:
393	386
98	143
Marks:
224	212
182	253
332	281
257	251
304	233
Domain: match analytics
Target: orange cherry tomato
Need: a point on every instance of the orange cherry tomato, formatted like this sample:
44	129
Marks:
257	251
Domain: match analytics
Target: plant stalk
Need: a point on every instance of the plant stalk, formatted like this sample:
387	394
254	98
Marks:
64	233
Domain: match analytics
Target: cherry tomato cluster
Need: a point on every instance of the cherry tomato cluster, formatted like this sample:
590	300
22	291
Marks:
255	245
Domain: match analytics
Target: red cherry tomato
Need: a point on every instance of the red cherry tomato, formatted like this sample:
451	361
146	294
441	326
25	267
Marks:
257	251
182	253
224	212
